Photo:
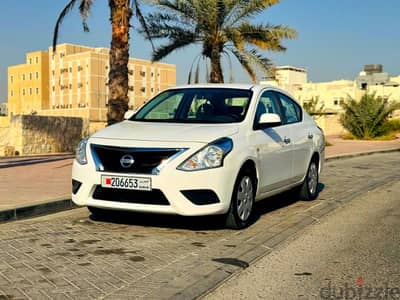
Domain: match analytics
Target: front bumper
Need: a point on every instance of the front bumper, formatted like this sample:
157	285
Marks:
170	182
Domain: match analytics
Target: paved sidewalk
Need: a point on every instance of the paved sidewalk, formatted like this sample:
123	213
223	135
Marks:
39	180
342	147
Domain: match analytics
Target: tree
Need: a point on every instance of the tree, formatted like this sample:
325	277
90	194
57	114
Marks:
313	108
222	27
365	119
120	16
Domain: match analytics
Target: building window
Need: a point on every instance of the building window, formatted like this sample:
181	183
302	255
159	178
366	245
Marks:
30	61
53	88
30	91
52	72
70	86
37	91
23	92
37	59
335	102
12	93
70	69
143	89
80	68
23	76
142	73
30	76
37	75
12	79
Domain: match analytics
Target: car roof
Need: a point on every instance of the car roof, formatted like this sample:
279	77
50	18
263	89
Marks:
242	86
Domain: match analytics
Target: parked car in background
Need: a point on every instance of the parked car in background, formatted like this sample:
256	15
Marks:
201	150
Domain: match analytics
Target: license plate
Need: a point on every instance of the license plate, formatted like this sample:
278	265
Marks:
126	182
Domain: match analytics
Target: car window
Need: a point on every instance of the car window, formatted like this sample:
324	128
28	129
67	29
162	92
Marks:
290	109
166	109
267	104
197	105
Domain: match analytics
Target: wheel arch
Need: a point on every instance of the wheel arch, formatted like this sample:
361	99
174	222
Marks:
250	165
316	157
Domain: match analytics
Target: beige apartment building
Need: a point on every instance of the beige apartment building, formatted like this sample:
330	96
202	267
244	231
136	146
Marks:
73	82
28	84
332	94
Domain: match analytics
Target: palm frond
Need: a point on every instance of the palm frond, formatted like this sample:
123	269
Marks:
244	61
207	70
191	69
174	44
245	9
60	19
265	36
197	72
231	79
84	9
142	21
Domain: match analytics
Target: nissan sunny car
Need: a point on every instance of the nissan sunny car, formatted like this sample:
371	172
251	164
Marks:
201	150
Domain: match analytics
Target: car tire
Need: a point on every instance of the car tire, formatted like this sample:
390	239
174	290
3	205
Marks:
241	211
308	190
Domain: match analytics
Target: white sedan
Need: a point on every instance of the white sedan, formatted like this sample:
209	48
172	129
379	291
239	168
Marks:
201	150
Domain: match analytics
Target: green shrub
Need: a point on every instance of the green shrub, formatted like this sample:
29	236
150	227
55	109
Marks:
391	125
366	119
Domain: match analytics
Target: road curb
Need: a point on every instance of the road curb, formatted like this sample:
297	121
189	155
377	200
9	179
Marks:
351	155
35	210
58	205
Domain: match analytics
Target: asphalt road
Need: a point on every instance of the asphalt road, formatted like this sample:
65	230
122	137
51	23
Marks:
71	256
354	253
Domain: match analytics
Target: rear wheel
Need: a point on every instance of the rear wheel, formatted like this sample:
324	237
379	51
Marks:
309	187
242	203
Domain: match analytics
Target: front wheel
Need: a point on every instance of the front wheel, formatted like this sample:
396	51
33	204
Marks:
309	188
242	203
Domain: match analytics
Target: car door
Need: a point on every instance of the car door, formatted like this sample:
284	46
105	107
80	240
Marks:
273	147
299	134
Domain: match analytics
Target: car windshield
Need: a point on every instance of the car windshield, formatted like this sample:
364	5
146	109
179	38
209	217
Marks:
197	105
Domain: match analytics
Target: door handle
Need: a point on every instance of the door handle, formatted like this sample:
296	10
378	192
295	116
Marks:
286	140
310	135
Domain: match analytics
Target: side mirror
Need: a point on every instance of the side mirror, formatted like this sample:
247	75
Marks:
128	114
269	120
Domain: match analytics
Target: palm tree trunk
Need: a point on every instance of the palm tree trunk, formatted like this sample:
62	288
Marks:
118	100
216	75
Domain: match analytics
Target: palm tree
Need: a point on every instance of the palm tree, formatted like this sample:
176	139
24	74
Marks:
120	15
366	119
222	27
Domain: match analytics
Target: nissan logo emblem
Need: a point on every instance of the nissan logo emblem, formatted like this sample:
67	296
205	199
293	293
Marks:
127	161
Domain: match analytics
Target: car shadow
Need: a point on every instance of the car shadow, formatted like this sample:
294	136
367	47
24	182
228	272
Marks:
203	223
281	200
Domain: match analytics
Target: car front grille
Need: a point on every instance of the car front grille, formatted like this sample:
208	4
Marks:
155	197
145	160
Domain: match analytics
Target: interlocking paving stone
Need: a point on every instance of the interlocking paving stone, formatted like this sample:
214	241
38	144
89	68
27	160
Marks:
72	256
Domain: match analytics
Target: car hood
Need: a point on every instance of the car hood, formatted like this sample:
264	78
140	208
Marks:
166	132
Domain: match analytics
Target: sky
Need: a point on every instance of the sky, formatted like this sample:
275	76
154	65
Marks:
335	37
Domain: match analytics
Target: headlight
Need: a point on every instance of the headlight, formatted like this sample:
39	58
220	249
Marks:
81	152
211	156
